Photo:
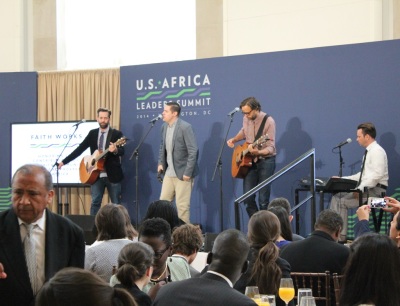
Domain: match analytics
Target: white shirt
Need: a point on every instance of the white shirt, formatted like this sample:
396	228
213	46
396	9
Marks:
39	236
375	169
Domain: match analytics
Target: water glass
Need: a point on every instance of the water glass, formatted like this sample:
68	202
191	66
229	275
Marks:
251	291
267	300
307	301
303	292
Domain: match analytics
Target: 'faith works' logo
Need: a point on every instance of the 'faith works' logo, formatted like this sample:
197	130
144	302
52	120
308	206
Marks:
192	92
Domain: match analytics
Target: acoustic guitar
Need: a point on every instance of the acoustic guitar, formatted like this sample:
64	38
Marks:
242	160
92	165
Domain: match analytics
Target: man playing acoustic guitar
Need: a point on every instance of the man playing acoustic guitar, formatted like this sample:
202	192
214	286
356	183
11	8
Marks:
259	133
102	169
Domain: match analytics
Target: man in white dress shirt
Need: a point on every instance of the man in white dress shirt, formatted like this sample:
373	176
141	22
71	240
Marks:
373	175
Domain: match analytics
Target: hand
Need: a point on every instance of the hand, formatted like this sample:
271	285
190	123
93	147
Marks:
160	168
230	143
363	212
393	205
112	147
253	151
60	165
2	273
186	178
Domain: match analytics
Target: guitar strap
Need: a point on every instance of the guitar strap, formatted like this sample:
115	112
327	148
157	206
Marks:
261	129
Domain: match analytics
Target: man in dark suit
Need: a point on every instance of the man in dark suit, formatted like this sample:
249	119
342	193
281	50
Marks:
103	139
227	262
178	159
56	241
320	251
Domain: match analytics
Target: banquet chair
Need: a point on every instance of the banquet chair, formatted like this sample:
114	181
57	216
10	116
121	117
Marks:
336	285
318	282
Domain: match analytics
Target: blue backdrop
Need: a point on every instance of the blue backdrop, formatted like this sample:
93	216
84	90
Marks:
316	96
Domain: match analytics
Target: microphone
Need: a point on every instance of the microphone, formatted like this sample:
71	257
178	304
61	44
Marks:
348	140
155	118
235	110
82	121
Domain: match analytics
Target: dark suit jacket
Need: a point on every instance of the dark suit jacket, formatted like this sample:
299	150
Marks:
113	163
316	253
184	150
141	298
209	289
65	247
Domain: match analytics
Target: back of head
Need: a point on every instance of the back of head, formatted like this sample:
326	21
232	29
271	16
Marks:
280	202
283	216
156	227
133	261
329	221
371	272
263	227
110	223
186	240
229	253
163	209
74	286
131	233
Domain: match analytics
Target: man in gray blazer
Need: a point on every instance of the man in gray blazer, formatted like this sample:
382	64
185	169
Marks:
178	159
56	241
227	261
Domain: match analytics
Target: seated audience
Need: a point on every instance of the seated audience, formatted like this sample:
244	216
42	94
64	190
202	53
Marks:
78	287
165	210
371	274
227	261
265	266
131	233
285	236
100	258
283	202
135	266
186	242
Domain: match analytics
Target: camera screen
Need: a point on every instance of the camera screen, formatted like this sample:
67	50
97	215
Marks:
377	202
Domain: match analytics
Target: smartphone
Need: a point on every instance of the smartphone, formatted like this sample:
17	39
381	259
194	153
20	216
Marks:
376	202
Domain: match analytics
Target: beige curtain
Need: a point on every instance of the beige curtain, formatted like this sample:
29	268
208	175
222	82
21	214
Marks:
76	95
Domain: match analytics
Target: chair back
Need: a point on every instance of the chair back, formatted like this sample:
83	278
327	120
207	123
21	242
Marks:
318	282
336	285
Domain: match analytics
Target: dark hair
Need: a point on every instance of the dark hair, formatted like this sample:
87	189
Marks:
30	169
131	233
329	220
263	230
286	229
175	107
74	286
103	109
186	239
367	128
398	222
280	202
165	210
252	103
110	222
371	272
156	227
133	261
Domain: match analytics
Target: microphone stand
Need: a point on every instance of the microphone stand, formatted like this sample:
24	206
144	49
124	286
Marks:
136	154
218	165
59	203
341	162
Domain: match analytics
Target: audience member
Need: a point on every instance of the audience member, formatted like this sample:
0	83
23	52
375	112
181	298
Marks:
283	202
186	242
131	233
57	242
285	236
227	261
371	273
265	266
165	210
78	287
110	223
320	251
135	266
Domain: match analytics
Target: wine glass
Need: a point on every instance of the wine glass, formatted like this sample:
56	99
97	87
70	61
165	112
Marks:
252	292
286	290
307	301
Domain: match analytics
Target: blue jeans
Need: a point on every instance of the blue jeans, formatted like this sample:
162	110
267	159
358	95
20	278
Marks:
258	173
97	192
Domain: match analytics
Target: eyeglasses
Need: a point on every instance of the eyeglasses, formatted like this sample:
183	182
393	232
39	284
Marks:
158	255
246	113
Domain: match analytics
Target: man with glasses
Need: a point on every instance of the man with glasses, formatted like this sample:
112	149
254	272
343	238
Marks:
257	124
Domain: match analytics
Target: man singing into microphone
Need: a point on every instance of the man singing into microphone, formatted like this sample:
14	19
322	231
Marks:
103	138
178	159
256	124
373	175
